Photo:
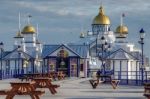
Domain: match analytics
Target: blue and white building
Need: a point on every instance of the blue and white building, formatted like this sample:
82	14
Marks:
80	59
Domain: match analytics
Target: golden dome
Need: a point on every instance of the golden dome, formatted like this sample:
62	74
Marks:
122	29
29	29
101	18
19	35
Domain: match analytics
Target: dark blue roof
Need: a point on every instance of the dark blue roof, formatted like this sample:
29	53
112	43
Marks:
14	54
5	53
31	51
121	54
47	49
81	50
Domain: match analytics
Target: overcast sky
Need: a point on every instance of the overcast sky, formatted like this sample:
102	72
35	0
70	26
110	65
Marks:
62	20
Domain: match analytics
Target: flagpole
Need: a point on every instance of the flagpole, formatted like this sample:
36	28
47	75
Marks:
19	23
121	20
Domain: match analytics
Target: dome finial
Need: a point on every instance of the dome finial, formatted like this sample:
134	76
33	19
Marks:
19	23
29	18
101	10
101	18
18	34
122	30
121	19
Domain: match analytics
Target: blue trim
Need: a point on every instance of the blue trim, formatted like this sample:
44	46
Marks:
69	67
120	70
15	72
136	74
96	46
77	67
48	68
127	72
113	66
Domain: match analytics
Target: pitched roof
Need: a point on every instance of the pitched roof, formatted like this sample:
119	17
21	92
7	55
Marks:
79	50
14	54
31	51
47	49
121	54
82	50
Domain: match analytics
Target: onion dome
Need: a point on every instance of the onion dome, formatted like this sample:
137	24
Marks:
101	18
18	35
121	31
29	29
82	35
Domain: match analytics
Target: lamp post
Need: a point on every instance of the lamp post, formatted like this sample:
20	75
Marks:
142	35
19	56
1	47
104	45
109	49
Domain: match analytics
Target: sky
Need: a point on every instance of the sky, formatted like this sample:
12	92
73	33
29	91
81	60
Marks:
61	21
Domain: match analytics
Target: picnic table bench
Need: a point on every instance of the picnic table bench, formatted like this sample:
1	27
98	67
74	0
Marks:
107	78
45	83
60	75
147	90
95	83
22	88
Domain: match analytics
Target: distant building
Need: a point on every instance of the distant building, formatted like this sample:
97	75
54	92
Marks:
82	59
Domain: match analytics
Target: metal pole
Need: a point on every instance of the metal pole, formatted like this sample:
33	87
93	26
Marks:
142	67
102	59
18	64
1	65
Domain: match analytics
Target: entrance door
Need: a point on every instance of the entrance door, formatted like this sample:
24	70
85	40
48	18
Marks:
81	70
73	70
62	65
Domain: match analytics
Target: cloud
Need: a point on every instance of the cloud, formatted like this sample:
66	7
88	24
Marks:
58	18
48	7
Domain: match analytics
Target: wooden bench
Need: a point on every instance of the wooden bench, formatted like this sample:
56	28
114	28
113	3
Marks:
147	95
10	94
60	75
4	92
147	90
115	83
105	79
25	78
45	83
22	88
95	83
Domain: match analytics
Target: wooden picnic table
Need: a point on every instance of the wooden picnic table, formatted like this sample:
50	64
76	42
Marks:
104	78
61	75
45	83
33	75
22	88
147	90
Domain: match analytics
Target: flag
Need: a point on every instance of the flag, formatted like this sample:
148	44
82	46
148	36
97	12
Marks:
123	15
29	16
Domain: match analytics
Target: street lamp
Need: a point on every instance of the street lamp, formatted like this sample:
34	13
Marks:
19	56
104	45
1	47
109	49
142	35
